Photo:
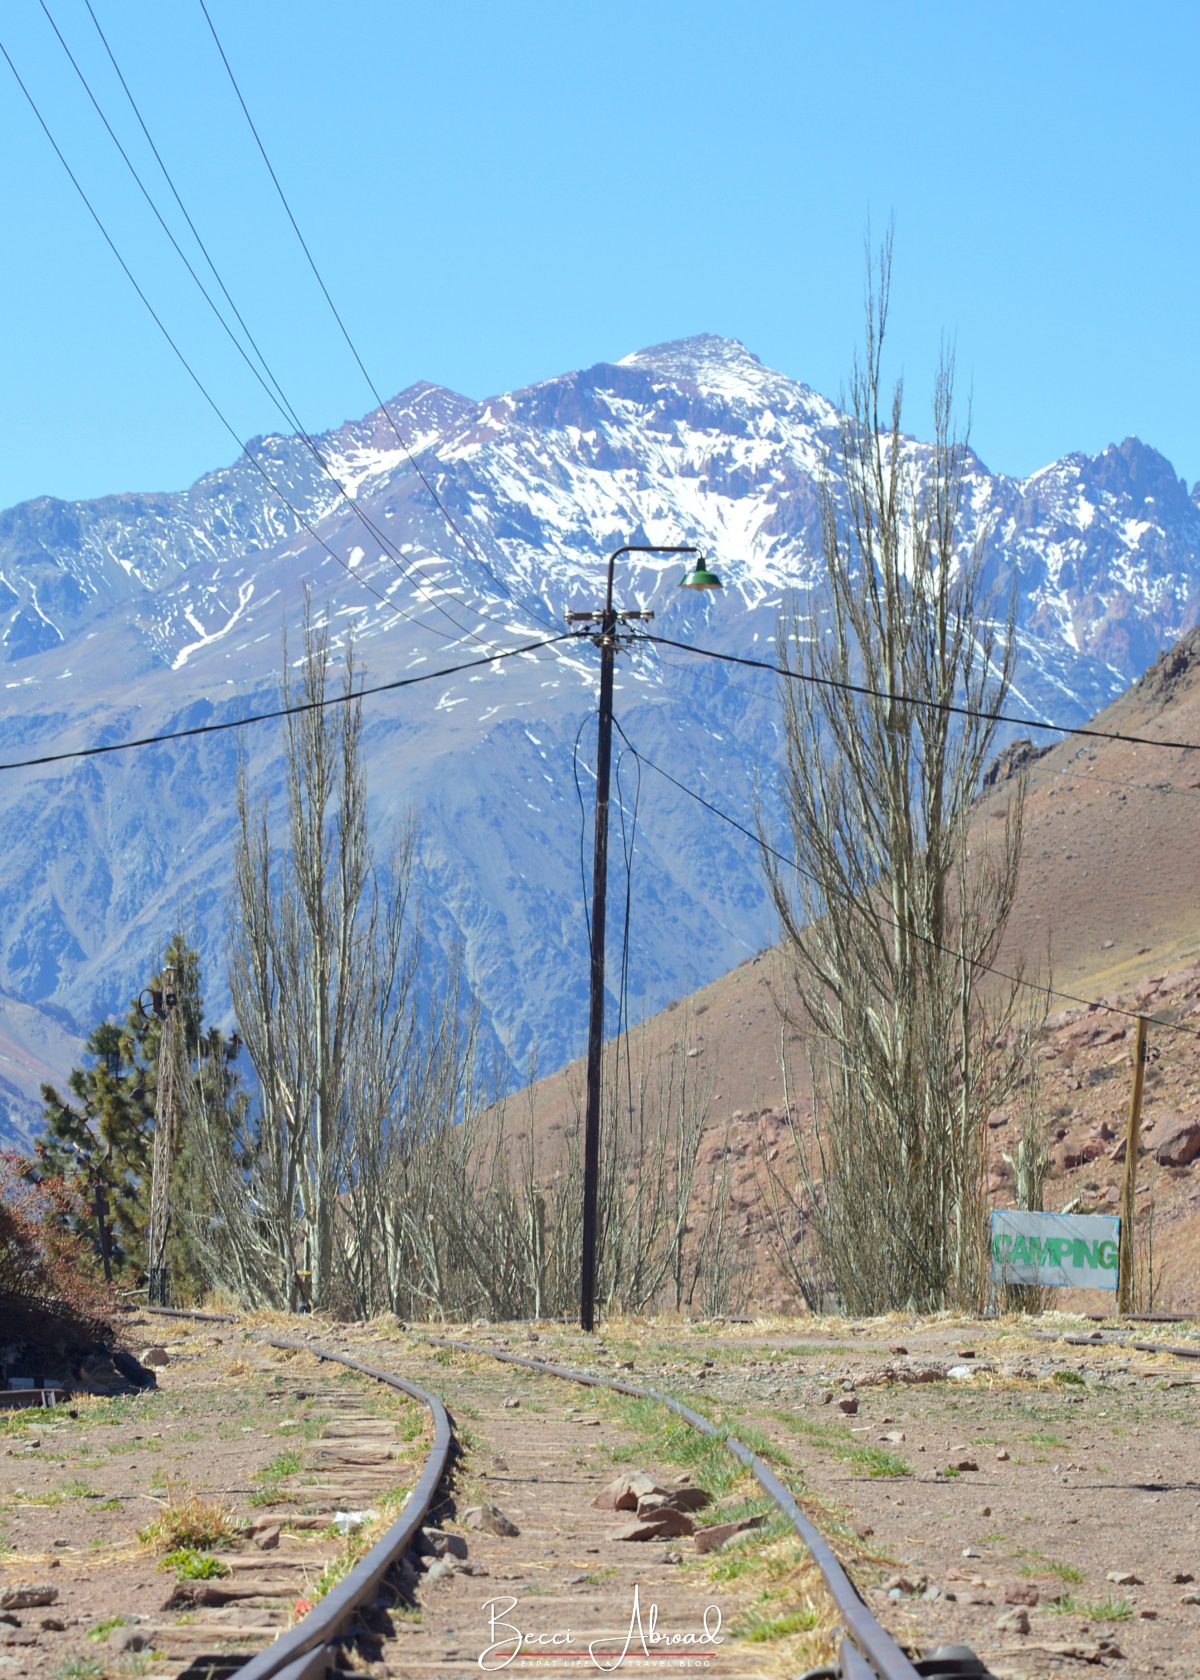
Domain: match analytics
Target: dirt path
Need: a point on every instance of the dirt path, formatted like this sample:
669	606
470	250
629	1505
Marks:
1035	1500
538	1452
241	1457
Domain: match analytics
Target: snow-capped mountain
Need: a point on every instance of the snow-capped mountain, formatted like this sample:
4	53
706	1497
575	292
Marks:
138	614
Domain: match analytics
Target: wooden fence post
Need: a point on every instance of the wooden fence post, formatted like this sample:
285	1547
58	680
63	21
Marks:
1125	1273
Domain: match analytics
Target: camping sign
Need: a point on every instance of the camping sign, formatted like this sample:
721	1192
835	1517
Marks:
1062	1250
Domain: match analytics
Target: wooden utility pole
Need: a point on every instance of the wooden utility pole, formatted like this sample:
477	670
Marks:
166	1133
1125	1271
609	620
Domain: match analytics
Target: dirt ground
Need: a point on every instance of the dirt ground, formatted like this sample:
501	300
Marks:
234	1432
986	1483
1033	1499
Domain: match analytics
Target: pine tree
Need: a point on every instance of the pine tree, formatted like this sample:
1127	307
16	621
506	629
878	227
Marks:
101	1136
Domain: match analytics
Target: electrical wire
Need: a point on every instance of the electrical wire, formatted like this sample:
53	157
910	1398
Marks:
244	448
587	915
912	700
1132	787
628	843
468	545
286	711
974	962
266	378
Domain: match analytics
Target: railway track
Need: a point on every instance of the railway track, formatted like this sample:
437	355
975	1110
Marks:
534	1476
266	1585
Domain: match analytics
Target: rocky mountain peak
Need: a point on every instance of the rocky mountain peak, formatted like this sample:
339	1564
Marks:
703	351
1133	468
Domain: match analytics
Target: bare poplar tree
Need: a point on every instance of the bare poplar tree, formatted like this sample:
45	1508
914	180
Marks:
322	962
895	907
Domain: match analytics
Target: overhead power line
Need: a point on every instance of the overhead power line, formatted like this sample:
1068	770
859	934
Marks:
286	711
1038	986
266	378
1133	787
467	543
867	692
275	489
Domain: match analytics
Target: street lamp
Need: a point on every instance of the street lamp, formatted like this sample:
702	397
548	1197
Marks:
608	620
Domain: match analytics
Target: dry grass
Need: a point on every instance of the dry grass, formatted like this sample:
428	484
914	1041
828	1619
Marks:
188	1519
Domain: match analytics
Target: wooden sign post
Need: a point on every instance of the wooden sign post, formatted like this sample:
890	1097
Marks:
1125	1281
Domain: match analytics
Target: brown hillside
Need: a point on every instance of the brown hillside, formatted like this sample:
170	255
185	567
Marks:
1110	884
1110	869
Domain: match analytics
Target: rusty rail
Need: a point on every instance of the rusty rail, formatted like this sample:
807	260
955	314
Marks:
868	1651
306	1651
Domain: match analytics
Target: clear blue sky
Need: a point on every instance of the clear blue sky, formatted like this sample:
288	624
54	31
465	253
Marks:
499	194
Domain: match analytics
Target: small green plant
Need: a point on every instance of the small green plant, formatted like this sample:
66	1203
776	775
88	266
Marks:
1068	1379
191	1565
80	1668
273	1476
862	1458
104	1628
758	1629
17	1422
77	1488
284	1464
1047	1566
1102	1610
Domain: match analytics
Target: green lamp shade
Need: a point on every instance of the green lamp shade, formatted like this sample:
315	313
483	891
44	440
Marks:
701	578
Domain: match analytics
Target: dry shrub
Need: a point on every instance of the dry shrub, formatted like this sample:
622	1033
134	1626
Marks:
188	1519
49	1291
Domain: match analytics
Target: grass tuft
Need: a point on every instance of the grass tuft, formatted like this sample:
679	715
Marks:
188	1520
104	1628
192	1565
1099	1610
757	1629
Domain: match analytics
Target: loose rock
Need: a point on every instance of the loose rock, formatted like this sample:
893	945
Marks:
1013	1621
709	1539
492	1519
1181	1145
129	1639
664	1524
29	1597
624	1492
435	1542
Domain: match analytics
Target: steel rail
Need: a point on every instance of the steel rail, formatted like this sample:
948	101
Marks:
868	1652
305	1651
188	1312
1096	1340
